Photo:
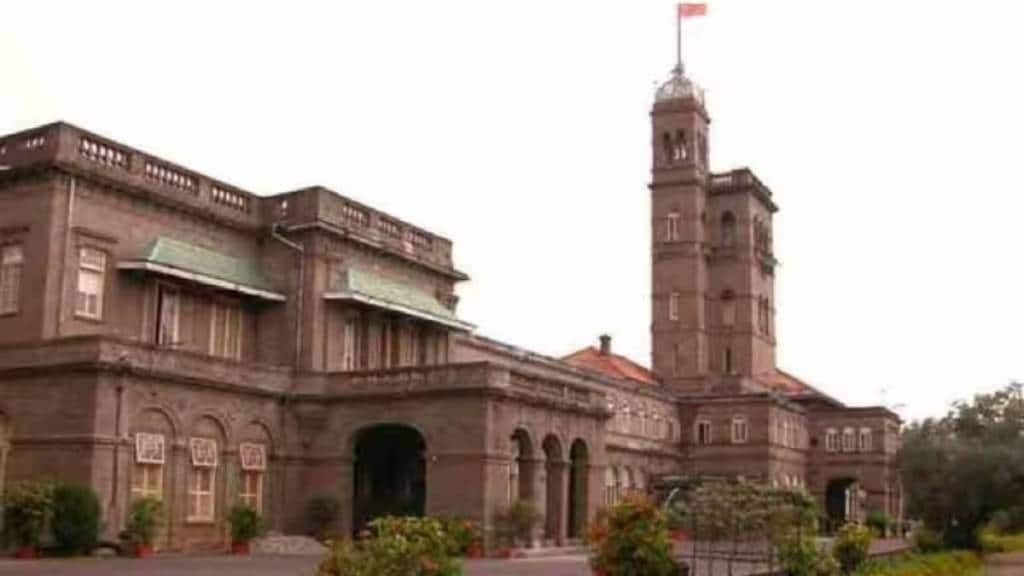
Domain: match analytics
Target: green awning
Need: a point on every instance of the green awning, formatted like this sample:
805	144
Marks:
202	266
374	290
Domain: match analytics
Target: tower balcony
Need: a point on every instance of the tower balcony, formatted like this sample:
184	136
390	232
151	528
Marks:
741	180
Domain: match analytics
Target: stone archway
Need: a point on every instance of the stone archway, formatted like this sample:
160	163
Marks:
389	476
522	470
579	468
554	508
841	502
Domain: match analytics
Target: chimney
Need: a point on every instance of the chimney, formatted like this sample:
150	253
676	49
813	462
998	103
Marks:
606	344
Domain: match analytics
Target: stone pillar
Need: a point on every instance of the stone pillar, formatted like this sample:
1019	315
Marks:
556	509
537	474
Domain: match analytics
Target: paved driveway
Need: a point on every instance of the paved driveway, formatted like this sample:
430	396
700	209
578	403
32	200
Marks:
262	566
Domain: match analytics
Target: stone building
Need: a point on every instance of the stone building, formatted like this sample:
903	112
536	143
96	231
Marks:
164	333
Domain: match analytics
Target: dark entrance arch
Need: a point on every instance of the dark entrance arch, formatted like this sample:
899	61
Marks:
839	501
389	476
578	470
554	468
522	475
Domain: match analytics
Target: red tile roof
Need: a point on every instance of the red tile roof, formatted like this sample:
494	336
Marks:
610	365
789	385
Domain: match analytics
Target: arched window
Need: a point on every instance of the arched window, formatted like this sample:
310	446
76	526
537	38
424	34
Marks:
609	486
677	364
849	440
865	440
672	227
728	308
666	147
728	230
679	150
740	430
702	432
831	440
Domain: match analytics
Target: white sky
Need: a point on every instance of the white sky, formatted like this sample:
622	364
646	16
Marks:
888	132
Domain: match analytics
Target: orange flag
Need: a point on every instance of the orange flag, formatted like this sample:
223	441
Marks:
692	10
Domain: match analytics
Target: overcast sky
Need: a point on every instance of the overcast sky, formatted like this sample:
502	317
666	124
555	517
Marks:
889	133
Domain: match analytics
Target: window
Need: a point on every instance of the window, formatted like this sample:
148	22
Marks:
677	364
147	481
672	227
727	360
226	330
673	307
609	486
253	458
865	440
728	230
679	150
92	265
849	440
168	307
703	432
831	440
348	345
11	260
740	430
728	309
201	496
148	471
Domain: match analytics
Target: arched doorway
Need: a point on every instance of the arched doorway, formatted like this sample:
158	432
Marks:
389	476
578	471
840	502
521	470
554	467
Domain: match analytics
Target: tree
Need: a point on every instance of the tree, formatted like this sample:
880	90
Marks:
961	469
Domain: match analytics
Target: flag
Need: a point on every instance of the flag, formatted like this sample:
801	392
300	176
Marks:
692	10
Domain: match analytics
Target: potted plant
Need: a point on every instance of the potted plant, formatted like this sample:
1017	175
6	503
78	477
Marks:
514	527
632	540
144	517
246	525
27	509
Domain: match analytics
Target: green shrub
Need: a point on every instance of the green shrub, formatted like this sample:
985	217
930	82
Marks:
246	523
462	534
878	521
144	518
993	541
633	541
801	556
943	564
926	540
27	508
76	519
514	526
397	547
322	513
850	547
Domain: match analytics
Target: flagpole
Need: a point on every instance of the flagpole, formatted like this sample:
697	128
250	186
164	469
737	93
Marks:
679	42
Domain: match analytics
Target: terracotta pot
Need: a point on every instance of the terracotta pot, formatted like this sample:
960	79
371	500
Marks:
142	550
474	551
25	552
240	548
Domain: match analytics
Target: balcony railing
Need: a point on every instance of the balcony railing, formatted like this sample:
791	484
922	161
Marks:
94	155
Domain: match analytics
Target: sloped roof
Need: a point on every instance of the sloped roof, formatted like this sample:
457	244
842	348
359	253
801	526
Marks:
610	365
375	290
793	387
203	266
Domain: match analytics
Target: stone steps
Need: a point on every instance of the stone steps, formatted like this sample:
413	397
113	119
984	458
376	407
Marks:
286	545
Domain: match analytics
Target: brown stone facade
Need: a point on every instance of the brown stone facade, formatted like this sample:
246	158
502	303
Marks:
166	334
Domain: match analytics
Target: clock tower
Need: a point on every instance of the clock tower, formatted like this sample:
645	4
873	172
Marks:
679	250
